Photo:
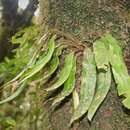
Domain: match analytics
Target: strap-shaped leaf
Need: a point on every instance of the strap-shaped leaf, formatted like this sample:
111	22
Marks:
52	65
103	86
68	85
122	81
101	55
119	68
88	83
65	72
50	69
15	94
42	62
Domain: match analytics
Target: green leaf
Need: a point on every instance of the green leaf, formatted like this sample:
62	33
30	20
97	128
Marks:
18	38
101	55
103	86
11	122
122	81
59	50
88	83
50	69
126	102
65	72
15	94
68	85
25	35
44	59
119	68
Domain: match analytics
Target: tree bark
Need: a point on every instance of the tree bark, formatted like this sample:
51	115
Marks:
87	20
11	21
8	12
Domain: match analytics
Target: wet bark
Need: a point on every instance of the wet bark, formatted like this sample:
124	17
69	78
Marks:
87	20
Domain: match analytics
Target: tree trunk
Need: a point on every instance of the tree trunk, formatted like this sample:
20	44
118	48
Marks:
11	21
8	12
87	20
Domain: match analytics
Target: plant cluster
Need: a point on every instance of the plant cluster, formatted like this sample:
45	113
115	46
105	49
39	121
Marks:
40	61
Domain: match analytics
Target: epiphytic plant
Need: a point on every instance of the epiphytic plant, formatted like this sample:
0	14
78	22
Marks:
39	60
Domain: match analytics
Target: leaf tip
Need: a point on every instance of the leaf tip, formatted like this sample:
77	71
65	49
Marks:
90	117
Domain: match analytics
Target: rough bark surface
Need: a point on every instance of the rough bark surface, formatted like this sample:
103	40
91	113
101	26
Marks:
87	20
